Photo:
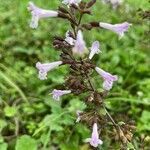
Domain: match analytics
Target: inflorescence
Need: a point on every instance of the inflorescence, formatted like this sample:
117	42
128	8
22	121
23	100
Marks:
75	53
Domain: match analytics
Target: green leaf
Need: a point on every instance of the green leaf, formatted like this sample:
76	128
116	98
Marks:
83	130
67	120
55	107
1	139
56	127
144	123
52	121
76	104
12	84
10	111
3	124
130	146
25	142
72	144
3	146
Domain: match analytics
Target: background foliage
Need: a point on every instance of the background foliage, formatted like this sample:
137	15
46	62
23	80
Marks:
29	118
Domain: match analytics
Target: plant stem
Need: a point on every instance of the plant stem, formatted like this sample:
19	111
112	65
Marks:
111	119
91	85
81	15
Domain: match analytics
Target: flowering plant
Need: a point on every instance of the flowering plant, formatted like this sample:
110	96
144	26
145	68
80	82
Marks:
76	54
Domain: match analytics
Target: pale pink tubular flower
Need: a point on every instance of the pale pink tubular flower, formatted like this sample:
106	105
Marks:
38	13
94	140
79	47
69	2
69	39
94	49
78	112
107	77
44	68
58	93
117	28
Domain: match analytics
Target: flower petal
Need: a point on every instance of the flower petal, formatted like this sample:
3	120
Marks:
44	68
117	28
94	49
58	93
79	47
107	85
38	13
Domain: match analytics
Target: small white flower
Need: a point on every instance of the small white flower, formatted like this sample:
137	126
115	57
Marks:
44	68
38	13
94	49
94	140
79	47
58	93
117	28
107	77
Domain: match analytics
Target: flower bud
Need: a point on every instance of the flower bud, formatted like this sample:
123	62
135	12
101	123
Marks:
90	4
63	15
94	24
62	9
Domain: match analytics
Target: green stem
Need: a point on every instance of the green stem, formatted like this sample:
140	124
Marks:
81	15
12	84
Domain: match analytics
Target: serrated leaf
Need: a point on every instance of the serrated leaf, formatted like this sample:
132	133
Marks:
56	127
83	130
10	111
25	142
67	120
55	107
76	104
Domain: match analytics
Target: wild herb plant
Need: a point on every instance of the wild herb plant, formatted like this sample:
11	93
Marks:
76	54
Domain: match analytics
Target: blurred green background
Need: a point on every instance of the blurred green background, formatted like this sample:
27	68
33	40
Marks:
29	118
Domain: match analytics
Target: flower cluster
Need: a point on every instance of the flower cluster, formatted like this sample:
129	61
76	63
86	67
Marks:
78	56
